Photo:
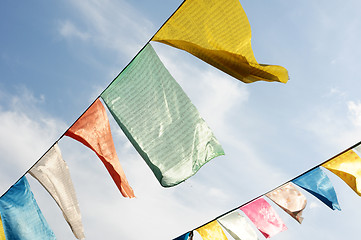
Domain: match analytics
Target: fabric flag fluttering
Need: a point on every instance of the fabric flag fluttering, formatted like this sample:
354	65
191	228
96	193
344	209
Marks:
318	184
159	120
2	234
264	217
237	226
212	231
93	130
290	200
53	173
185	236
218	32
21	216
347	166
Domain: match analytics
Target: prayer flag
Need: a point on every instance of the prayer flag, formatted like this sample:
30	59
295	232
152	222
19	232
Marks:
93	130
348	167
237	226
2	234
289	199
264	217
21	216
218	32
184	236
159	120
52	172
212	231
318	184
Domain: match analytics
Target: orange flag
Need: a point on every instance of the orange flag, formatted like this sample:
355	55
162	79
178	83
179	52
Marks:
93	130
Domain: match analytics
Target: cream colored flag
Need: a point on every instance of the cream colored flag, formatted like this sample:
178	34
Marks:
237	226
289	199
52	172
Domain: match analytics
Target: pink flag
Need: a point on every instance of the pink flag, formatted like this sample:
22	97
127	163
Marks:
93	130
264	217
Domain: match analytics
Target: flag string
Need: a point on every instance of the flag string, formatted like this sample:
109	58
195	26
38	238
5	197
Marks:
96	97
236	208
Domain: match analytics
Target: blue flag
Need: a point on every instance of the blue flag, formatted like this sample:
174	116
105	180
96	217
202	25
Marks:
183	237
21	216
318	184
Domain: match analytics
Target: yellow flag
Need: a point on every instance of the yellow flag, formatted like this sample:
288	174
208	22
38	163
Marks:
218	32
212	231
2	234
348	167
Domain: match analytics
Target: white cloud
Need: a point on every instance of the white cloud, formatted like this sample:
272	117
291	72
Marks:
68	30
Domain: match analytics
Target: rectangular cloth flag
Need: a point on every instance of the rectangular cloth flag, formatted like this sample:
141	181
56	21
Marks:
264	217
159	120
237	226
212	231
21	216
53	173
218	32
318	184
93	130
2	234
185	236
348	167
289	199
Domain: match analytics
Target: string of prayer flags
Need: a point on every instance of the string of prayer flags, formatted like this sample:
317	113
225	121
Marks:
347	166
159	120
218	32
212	231
186	236
21	216
2	233
237	226
52	172
93	130
290	200
318	184
264	217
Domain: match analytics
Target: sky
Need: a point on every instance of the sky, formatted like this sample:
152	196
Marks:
57	57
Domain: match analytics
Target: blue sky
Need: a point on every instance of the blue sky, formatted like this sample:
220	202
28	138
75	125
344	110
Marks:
57	57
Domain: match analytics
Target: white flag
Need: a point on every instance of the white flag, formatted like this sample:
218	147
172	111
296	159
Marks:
53	173
237	226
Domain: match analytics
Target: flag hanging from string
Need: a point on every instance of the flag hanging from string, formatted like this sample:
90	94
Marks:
237	226
2	234
21	216
186	236
347	166
93	130
52	172
212	231
290	200
159	120
264	217
218	32
318	184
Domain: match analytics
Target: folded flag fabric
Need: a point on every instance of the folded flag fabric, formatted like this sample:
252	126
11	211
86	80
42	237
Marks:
93	130
2	234
237	226
261	213
185	236
21	216
52	172
290	200
159	120
212	231
218	32
348	167
318	184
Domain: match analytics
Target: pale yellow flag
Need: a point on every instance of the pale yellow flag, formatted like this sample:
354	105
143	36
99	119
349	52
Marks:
218	32
2	234
212	231
289	199
348	167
